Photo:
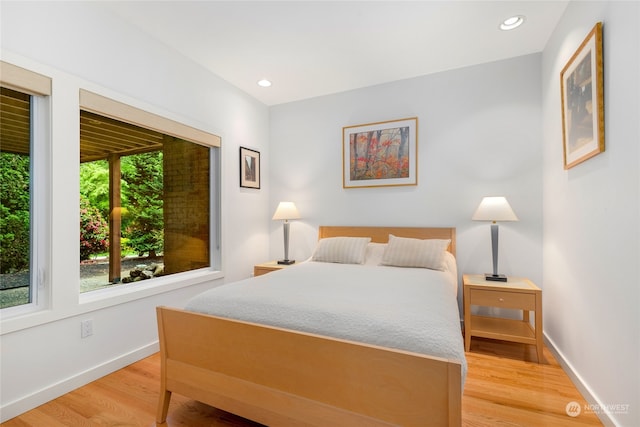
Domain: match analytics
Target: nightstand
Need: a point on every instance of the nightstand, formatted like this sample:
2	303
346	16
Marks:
267	267
516	293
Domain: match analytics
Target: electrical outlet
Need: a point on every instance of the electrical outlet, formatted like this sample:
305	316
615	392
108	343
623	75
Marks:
86	328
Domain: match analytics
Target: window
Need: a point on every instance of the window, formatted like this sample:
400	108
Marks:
147	195
23	197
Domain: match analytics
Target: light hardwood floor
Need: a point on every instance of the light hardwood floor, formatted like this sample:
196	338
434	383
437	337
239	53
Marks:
504	387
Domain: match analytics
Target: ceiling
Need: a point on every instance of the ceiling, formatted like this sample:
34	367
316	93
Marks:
315	48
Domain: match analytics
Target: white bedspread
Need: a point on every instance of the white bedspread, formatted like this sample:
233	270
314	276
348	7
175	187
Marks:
412	309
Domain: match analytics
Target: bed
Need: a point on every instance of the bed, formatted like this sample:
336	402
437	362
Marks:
279	373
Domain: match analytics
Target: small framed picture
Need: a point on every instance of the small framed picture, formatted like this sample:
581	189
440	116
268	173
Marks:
582	87
380	154
249	168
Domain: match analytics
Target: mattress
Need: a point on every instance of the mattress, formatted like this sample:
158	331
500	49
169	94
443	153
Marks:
411	309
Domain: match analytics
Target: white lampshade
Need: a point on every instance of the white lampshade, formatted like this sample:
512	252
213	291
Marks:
286	210
494	209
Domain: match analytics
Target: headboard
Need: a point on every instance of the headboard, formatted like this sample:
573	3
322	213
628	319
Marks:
381	234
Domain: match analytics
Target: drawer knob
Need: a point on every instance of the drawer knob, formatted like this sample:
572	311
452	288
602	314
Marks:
501	299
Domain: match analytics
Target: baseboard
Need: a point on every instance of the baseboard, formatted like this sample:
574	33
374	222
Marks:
22	405
586	392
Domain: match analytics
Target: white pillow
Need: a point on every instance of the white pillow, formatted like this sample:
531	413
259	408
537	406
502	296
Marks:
374	253
407	252
343	250
450	263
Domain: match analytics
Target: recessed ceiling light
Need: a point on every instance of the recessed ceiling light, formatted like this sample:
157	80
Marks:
264	83
512	22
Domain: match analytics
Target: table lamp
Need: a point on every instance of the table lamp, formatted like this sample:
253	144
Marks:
494	209
286	211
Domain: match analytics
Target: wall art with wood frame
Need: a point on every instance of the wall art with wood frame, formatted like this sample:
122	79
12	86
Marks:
380	154
582	89
249	168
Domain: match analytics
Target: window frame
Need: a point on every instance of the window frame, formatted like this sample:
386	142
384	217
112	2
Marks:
38	87
57	299
101	105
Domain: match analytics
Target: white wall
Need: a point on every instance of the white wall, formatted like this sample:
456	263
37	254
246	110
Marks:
591	216
479	134
79	45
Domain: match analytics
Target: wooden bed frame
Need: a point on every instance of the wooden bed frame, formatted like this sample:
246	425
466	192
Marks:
281	377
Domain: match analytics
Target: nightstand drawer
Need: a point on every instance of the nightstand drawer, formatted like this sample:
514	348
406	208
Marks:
502	299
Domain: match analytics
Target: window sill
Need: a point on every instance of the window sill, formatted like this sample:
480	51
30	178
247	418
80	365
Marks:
104	298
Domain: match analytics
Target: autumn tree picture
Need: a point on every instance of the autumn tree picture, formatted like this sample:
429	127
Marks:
380	154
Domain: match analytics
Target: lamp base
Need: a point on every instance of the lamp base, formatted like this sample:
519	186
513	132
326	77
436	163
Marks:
495	277
286	261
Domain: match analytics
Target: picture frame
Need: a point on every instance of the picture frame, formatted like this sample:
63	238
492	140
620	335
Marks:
582	92
380	154
249	168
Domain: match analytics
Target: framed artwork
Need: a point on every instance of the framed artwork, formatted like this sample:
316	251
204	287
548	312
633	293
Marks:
582	87
249	168
380	154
